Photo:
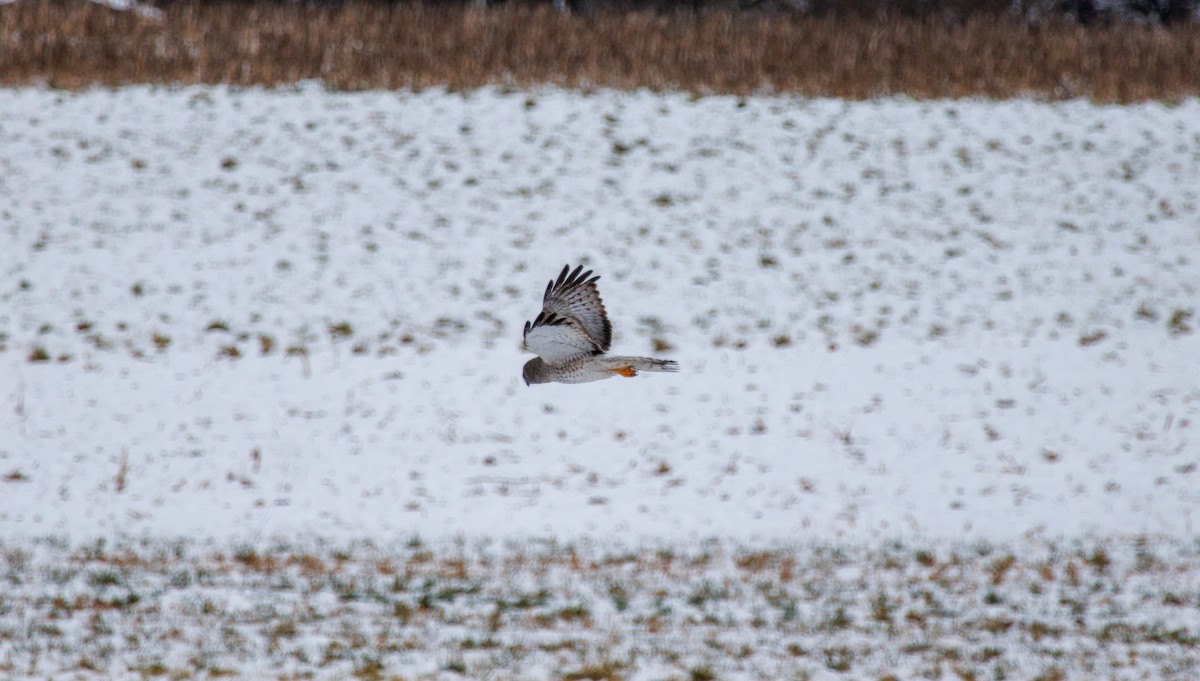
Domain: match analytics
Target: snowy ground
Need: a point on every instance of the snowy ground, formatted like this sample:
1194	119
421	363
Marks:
537	610
249	316
894	318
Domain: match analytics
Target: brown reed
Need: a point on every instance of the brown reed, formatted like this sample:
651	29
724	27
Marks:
361	45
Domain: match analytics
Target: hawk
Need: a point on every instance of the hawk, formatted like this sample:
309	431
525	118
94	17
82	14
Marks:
571	334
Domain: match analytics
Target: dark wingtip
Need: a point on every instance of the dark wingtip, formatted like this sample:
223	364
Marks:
556	283
545	318
569	278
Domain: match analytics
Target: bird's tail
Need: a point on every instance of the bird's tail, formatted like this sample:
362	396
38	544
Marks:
630	366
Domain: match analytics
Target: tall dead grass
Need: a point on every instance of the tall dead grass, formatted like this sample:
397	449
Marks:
368	45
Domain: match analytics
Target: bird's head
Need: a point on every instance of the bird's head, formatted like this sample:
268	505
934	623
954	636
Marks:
532	370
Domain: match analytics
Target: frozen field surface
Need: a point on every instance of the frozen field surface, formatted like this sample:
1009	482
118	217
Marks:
1094	610
263	313
261	411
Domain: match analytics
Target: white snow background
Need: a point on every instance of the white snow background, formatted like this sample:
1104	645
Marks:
261	412
895	319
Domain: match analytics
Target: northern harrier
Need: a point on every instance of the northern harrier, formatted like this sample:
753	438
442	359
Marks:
571	334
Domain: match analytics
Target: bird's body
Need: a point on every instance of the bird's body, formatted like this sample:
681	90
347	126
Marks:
572	333
588	369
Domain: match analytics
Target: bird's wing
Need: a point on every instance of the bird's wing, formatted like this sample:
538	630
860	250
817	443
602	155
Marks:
558	339
574	296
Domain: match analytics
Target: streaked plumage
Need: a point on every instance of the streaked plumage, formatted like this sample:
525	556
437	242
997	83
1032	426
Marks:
571	334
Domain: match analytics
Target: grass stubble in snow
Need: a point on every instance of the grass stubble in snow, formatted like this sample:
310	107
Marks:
542	610
939	377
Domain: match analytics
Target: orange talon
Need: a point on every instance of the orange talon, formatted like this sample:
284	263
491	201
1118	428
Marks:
627	372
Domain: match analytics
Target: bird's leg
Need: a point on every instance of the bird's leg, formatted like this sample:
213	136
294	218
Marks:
627	372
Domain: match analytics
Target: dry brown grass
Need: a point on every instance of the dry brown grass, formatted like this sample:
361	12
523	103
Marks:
366	46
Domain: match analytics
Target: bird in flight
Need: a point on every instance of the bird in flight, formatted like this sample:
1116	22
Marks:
571	334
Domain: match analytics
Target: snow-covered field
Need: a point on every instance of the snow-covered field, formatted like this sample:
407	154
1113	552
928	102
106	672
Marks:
242	317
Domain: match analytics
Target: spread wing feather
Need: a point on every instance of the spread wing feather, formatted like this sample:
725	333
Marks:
558	339
573	322
574	295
